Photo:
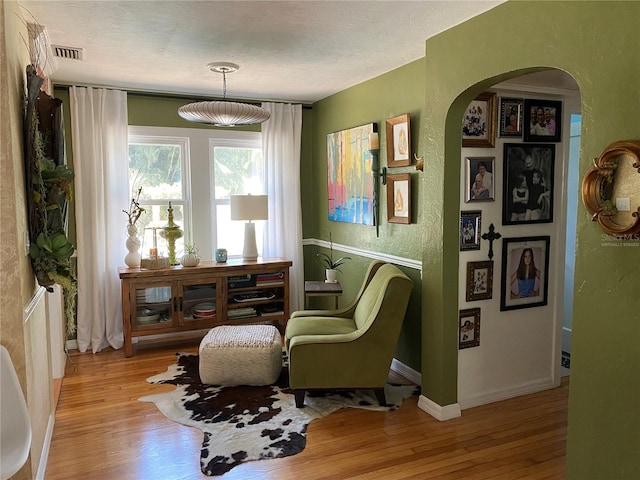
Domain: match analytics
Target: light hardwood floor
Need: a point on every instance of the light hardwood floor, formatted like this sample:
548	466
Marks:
103	432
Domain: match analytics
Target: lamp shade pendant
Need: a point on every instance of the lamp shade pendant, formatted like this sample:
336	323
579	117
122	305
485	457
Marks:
223	113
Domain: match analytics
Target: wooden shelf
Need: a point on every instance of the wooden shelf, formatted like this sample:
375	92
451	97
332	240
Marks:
178	289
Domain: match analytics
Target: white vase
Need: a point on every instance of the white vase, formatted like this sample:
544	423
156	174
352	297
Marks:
190	260
331	275
132	259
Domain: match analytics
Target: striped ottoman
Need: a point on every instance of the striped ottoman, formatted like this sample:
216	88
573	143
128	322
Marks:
241	355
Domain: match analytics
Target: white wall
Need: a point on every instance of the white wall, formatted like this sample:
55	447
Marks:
519	350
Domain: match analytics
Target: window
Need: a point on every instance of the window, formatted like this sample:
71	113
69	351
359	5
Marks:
197	170
236	171
158	167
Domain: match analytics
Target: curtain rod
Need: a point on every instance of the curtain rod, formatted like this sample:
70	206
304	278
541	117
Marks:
177	96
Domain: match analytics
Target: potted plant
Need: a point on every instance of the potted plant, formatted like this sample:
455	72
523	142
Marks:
331	265
190	258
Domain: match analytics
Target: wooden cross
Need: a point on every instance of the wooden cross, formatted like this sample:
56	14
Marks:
491	236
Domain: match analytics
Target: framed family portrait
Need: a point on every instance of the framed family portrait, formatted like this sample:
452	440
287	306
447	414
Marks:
399	198
470	230
399	141
527	183
469	328
479	281
478	122
542	120
479	179
511	117
525	272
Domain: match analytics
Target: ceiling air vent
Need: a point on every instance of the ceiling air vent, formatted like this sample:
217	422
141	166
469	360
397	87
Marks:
71	53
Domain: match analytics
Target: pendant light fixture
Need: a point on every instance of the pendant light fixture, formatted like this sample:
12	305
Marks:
223	113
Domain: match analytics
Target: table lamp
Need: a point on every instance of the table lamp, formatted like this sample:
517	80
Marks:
249	207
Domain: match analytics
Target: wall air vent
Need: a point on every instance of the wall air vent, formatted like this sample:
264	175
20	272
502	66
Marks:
71	53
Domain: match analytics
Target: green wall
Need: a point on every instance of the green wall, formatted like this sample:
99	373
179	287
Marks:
598	44
394	93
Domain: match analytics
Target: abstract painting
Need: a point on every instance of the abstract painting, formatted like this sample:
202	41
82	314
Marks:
349	174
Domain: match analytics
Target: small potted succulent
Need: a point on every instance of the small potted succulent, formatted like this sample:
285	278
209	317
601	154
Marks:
190	258
331	265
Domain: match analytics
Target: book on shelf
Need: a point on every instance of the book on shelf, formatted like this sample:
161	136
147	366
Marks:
261	278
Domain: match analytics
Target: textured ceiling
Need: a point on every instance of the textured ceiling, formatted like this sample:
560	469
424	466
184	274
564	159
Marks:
298	51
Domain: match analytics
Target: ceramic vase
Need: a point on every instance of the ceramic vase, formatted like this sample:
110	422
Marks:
331	275
132	259
190	260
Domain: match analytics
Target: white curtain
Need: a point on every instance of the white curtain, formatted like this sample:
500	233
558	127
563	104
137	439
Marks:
100	149
281	138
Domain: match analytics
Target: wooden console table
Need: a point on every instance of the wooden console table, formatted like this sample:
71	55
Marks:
183	299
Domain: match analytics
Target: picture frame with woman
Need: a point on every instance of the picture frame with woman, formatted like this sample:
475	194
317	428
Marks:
480	186
527	183
542	120
525	272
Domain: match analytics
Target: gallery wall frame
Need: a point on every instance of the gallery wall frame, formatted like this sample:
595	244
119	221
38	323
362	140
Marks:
399	198
470	224
479	122
399	141
527	183
525	272
468	328
479	175
511	114
542	120
479	281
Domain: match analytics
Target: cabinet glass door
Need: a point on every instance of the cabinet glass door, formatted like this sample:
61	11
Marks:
152	307
199	302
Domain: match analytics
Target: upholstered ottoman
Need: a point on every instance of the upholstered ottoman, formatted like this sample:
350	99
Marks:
241	355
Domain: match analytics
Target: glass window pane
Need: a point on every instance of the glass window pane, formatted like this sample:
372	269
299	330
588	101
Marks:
237	171
157	169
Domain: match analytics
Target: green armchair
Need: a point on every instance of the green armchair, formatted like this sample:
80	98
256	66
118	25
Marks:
329	351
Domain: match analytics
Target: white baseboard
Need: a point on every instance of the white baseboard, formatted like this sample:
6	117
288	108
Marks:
438	412
504	394
406	371
44	456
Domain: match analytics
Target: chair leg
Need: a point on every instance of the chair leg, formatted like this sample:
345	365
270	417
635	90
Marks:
382	400
299	395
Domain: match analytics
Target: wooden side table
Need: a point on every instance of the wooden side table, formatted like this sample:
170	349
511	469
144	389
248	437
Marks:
320	288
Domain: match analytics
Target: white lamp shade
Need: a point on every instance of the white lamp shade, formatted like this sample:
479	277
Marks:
249	207
223	113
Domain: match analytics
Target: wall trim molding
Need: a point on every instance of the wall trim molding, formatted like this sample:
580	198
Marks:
526	388
438	412
402	261
406	371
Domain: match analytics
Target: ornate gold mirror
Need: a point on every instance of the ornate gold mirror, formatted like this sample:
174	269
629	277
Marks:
611	188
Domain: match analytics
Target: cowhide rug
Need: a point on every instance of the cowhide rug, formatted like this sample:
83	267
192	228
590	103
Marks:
246	423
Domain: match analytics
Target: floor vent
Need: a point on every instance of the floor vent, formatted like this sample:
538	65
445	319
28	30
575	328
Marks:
71	53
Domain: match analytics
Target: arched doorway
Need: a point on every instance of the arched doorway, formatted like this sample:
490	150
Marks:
519	348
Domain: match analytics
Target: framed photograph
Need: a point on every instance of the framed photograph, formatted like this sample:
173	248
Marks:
399	141
525	272
470	230
527	183
542	120
511	117
469	328
399	198
479	281
479	179
478	123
